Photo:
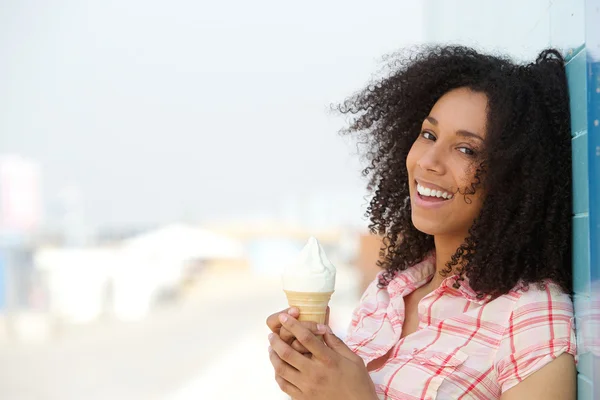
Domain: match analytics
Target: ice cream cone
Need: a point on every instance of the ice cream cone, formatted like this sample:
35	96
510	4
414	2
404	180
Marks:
312	305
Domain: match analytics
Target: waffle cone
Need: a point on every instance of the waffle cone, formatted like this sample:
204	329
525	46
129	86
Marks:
312	305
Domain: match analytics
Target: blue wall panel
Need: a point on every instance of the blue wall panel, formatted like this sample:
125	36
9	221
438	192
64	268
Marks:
580	172
581	255
589	345
576	74
585	388
584	89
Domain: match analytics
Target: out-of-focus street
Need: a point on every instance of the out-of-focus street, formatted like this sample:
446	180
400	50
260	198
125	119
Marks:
210	345
161	164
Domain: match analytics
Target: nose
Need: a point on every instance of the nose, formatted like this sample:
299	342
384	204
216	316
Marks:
432	161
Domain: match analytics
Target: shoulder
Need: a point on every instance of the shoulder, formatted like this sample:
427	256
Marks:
539	328
540	298
537	306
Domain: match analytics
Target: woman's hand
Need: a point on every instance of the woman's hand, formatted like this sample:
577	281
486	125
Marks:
274	325
333	372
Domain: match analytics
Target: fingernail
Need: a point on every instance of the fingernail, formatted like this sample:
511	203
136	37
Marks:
271	336
321	328
283	318
293	310
270	349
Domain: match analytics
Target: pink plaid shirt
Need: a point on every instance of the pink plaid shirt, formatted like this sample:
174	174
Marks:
465	348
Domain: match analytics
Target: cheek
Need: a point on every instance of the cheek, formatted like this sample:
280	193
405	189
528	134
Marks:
466	176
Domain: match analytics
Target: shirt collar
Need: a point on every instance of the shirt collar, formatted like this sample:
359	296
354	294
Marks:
422	272
465	289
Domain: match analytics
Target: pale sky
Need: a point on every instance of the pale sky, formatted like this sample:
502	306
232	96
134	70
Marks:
156	110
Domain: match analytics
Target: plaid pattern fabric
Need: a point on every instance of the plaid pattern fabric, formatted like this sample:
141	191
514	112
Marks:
465	347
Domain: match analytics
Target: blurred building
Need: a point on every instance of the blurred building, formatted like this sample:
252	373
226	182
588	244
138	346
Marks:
127	278
71	216
20	219
20	197
21	289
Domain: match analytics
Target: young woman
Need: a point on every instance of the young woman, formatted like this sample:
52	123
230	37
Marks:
470	164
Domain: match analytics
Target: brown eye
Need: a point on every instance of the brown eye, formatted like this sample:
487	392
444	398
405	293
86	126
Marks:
428	135
466	150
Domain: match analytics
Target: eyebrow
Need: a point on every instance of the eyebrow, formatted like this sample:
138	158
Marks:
460	132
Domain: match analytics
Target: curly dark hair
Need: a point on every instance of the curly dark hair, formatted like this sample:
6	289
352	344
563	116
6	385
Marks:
523	232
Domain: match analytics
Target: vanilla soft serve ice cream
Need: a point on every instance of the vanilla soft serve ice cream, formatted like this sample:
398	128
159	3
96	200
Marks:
309	282
311	272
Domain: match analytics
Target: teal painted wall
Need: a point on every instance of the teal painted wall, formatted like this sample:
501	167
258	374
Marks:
584	82
577	76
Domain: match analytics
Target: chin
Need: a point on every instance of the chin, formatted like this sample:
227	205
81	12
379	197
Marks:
427	226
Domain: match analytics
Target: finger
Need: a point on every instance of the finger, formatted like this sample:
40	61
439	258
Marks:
287	354
293	311
286	335
283	369
288	388
299	347
306	337
317	329
273	320
337	345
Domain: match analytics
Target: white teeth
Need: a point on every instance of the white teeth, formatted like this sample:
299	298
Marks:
424	191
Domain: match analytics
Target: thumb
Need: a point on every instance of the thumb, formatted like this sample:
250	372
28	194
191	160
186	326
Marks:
337	345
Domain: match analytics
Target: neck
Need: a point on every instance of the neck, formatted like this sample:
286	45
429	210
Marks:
445	247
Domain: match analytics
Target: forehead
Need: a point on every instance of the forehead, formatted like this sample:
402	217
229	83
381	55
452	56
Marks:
461	109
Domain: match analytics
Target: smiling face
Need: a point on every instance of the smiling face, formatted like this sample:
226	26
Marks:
442	161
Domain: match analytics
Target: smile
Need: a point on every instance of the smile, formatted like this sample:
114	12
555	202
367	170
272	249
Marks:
430	192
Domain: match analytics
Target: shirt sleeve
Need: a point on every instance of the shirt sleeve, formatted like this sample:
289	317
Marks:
540	328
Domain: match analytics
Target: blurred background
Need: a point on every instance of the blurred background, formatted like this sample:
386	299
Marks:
161	162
